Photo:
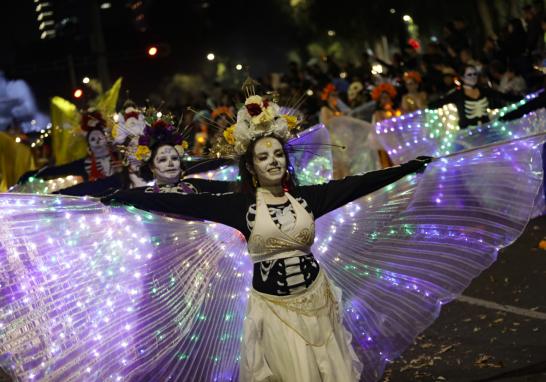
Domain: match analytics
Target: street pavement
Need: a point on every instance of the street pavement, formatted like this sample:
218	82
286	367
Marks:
496	331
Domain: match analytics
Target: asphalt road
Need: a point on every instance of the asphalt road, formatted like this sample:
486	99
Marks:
482	341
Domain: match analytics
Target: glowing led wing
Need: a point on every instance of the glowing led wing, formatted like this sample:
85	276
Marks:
402	252
41	186
435	133
310	155
355	147
89	292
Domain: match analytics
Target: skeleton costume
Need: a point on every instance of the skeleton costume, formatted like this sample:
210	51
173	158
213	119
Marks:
138	296
293	329
91	168
473	111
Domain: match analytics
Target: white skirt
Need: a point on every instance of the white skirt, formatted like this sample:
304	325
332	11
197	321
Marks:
298	338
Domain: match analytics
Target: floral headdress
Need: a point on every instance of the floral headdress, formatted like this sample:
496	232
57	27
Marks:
413	75
384	87
92	119
328	89
160	129
129	124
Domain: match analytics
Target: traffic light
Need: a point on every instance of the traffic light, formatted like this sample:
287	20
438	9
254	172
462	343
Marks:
158	50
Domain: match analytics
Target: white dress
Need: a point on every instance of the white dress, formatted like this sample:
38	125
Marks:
295	338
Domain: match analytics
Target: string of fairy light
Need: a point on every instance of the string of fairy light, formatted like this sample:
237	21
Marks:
436	132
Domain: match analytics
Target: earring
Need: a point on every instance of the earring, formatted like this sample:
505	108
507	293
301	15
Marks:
254	182
287	175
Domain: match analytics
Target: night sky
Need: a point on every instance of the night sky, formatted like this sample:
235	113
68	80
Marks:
258	33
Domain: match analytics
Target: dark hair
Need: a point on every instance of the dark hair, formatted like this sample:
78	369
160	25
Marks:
247	185
146	167
463	68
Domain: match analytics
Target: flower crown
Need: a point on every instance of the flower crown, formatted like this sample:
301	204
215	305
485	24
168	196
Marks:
258	117
92	119
137	131
384	87
328	89
159	130
413	75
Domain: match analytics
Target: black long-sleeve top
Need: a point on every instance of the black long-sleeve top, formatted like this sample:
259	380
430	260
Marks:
473	111
76	168
232	208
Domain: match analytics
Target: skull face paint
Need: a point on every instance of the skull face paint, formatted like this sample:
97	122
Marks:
166	165
97	143
269	162
470	77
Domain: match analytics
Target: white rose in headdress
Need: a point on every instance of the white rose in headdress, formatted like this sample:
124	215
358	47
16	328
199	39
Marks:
135	126
254	99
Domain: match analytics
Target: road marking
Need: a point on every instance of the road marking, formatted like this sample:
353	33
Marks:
505	308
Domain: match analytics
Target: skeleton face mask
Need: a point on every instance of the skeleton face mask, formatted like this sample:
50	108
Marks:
470	77
166	165
97	143
269	162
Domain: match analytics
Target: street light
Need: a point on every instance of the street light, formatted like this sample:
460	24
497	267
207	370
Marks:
152	51
407	18
86	80
210	56
239	67
331	33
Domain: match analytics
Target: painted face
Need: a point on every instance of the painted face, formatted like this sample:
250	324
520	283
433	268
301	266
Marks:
269	162
97	143
385	99
411	85
470	76
166	165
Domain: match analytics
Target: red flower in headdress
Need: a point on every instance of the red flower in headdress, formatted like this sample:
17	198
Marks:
385	87
253	109
92	120
413	75
328	89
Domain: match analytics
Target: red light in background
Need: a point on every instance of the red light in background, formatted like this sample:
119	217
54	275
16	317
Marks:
152	51
78	93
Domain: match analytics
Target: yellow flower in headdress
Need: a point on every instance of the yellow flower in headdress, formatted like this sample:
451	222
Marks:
143	153
185	145
291	121
228	135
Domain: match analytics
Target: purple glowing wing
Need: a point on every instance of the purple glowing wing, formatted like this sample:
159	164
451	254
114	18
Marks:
355	147
403	251
310	155
436	133
89	292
